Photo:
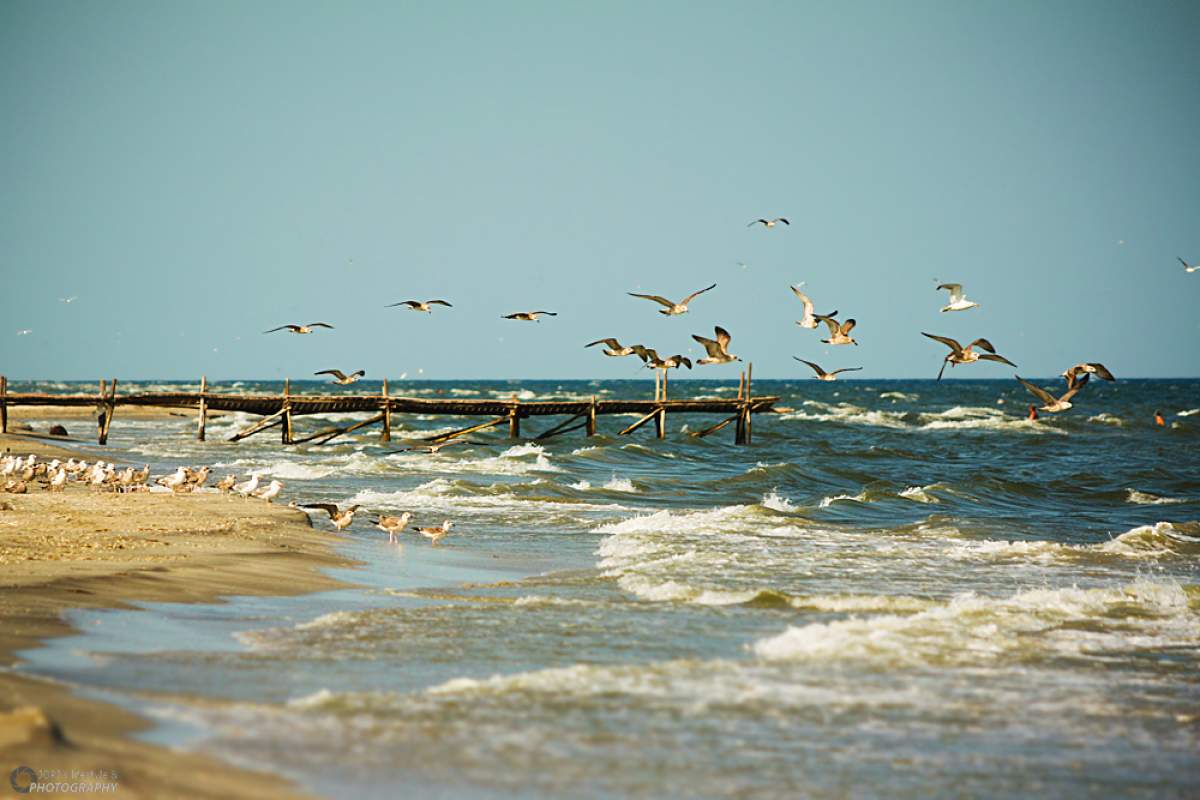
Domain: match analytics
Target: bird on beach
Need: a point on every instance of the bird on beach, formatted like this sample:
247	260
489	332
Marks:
822	375
613	348
172	482
1050	403
809	320
417	305
958	299
269	492
839	333
226	484
340	519
435	535
197	478
393	524
1099	370
718	349
300	328
246	488
529	316
672	309
341	378
769	223
1188	267
966	355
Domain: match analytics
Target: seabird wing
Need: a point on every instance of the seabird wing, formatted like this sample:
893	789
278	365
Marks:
409	303
815	367
320	325
438	303
656	298
955	289
337	373
808	304
1074	388
284	328
946	340
848	326
1186	265
845	369
755	222
994	357
613	343
1037	391
723	336
1101	372
985	344
328	508
829	321
694	295
784	221
713	348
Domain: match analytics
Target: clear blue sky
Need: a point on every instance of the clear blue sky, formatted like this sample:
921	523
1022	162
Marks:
195	173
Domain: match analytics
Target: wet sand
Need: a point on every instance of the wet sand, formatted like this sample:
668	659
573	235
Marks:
86	549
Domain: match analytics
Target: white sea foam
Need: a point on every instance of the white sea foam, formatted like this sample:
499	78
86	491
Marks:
1189	412
776	502
1147	499
899	396
442	495
826	502
616	484
919	494
1104	418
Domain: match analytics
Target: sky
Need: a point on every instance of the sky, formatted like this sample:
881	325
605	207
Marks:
194	173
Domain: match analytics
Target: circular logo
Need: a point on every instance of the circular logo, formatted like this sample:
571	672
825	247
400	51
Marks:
22	778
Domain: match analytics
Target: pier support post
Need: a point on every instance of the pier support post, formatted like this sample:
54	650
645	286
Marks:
286	428
202	409
591	418
514	423
3	404
108	403
749	404
385	434
660	423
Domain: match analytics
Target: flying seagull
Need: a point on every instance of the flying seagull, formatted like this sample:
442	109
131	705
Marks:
769	223
958	300
613	348
417	305
651	359
1188	267
966	355
810	319
300	328
672	308
718	349
529	316
839	333
1099	370
341	519
1050	403
822	375
340	378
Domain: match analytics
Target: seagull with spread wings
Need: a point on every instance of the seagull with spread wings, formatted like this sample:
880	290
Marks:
672	308
966	355
613	347
822	375
769	223
301	328
417	305
529	316
340	519
1188	267
810	319
1050	403
340	378
958	299
1093	368
718	349
839	333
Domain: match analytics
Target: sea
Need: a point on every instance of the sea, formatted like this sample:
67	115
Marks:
900	589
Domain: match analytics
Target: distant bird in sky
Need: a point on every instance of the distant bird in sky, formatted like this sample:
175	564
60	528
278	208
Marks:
1099	370
70	299
24	331
958	299
1188	267
809	320
966	355
822	375
529	316
718	349
769	223
434	535
839	333
301	328
1050	403
614	348
340	519
340	377
673	308
417	305
652	359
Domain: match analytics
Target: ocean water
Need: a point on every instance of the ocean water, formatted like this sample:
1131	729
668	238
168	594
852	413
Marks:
901	589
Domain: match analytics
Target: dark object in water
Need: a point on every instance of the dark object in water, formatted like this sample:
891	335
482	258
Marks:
22	427
58	430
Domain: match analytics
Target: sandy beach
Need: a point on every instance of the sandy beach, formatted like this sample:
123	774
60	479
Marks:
86	549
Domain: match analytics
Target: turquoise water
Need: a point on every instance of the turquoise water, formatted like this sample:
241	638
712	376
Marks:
902	588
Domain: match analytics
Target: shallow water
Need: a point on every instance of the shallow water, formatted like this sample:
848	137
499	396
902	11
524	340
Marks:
902	588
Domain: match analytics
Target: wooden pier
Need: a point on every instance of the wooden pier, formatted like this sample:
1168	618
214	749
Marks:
280	410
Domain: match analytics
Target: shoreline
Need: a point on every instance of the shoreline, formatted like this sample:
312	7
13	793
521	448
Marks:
85	550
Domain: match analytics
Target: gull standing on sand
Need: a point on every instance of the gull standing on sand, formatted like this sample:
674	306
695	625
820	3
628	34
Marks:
966	355
270	492
340	378
393	525
718	349
822	375
614	348
958	299
1050	403
810	319
417	305
838	333
226	483
529	316
435	535
301	328
172	482
341	519
769	223
246	488
672	309
1188	267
